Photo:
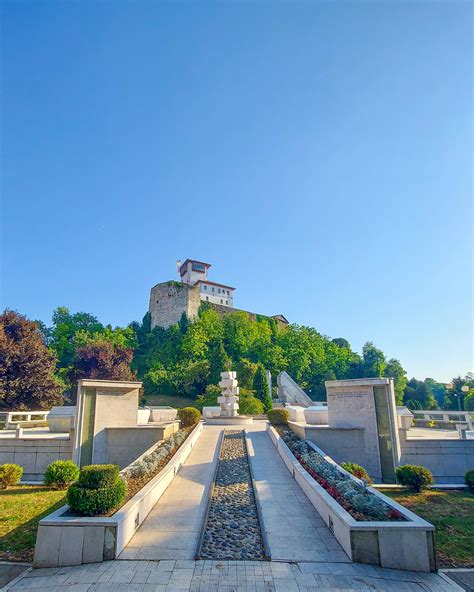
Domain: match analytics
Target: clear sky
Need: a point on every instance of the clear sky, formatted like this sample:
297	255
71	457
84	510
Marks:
318	154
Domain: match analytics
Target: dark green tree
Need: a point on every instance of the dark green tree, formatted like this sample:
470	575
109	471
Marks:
219	361
260	386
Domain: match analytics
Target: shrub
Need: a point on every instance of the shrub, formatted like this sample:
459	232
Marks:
278	416
356	470
61	473
98	490
250	406
98	476
189	416
93	502
10	474
469	479
414	477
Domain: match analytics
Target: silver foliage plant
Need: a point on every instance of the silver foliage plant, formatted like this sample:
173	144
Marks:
151	462
356	494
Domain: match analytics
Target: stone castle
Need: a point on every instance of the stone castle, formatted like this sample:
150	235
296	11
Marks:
168	300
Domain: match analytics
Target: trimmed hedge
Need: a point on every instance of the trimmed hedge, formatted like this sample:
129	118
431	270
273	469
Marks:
278	416
10	474
98	490
469	479
189	416
98	476
356	470
93	502
61	473
414	477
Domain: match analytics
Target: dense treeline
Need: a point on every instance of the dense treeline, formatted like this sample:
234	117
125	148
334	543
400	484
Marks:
186	358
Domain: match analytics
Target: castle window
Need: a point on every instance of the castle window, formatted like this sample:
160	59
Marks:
227	302
205	287
213	289
222	301
207	297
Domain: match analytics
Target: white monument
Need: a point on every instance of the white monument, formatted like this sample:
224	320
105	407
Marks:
228	410
229	400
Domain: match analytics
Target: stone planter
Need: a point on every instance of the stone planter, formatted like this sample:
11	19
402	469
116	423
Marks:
162	414
61	419
71	540
407	545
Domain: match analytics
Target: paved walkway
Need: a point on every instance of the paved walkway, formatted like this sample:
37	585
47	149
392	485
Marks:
295	530
172	528
227	576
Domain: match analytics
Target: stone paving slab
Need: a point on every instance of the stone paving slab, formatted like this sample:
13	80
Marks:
295	530
171	530
227	576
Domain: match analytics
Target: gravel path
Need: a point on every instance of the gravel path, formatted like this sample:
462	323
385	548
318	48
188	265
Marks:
233	530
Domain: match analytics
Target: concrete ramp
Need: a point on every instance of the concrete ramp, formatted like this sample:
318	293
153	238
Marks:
290	392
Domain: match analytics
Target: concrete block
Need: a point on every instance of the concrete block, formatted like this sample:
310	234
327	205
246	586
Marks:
404	549
365	546
48	542
72	540
93	546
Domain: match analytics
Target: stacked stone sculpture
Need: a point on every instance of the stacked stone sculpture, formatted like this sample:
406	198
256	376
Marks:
229	400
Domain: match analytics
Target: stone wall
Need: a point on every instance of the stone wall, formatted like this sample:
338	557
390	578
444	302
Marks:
34	454
125	445
448	460
169	300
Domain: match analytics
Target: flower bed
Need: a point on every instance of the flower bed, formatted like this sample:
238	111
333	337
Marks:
353	495
140	472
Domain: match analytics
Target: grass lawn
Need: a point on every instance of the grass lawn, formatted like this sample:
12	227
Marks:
169	400
21	508
452	512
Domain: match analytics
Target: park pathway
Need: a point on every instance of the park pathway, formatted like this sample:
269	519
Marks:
172	528
295	531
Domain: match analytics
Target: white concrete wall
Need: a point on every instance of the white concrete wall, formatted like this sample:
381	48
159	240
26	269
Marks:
448	460
34	455
210	293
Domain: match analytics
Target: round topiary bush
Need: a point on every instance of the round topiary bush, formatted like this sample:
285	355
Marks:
189	416
251	406
98	476
278	416
98	490
356	470
61	473
10	474
469	479
414	477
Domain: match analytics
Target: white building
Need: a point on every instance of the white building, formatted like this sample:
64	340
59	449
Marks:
195	273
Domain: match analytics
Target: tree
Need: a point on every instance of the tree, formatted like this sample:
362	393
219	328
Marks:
219	361
102	360
374	363
417	395
395	370
341	342
27	366
260	386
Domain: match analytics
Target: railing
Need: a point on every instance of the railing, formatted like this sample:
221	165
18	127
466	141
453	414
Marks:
15	419
454	416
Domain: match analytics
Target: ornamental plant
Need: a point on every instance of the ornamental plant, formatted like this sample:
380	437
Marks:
414	477
354	497
61	473
98	490
10	475
469	479
278	416
150	463
356	470
189	416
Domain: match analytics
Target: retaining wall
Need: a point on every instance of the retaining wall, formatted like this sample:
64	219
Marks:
448	460
34	454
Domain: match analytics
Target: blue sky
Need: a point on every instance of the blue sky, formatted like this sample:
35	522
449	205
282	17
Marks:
317	154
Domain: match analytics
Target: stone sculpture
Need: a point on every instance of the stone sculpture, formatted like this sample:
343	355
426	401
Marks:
229	400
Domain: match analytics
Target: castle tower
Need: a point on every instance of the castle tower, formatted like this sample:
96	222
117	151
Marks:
168	300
